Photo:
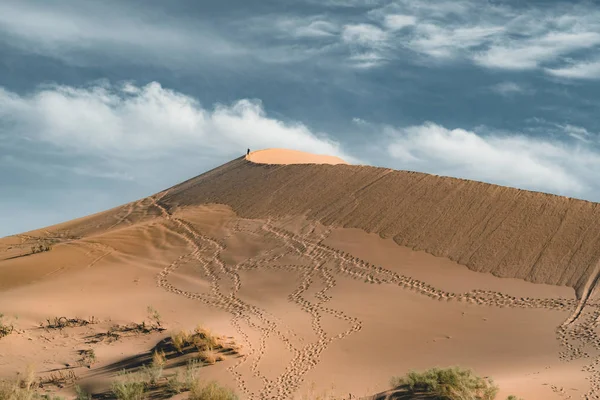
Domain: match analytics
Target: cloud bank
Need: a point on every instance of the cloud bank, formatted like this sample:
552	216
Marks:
128	122
508	159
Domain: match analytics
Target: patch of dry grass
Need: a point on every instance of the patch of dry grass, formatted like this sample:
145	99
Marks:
129	386
448	384
22	388
210	391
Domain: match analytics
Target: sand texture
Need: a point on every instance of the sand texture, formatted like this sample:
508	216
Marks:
332	278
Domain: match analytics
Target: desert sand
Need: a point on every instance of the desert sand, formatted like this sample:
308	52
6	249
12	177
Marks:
332	278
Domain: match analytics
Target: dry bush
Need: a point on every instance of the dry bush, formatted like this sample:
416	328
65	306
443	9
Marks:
182	381
208	356
6	328
448	384
22	388
60	379
154	317
88	357
64	322
81	394
204	339
210	391
154	371
180	340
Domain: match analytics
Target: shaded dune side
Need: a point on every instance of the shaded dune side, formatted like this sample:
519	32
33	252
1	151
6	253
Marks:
508	232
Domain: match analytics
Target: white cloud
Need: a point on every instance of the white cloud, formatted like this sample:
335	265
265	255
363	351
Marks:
364	34
577	132
128	121
367	44
81	31
443	42
509	89
396	22
513	160
581	70
495	36
532	53
312	27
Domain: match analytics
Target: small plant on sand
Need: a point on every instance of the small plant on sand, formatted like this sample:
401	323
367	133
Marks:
6	328
210	391
182	381
154	371
208	356
88	357
154	317
129	386
22	388
81	394
448	384
204	339
512	397
180	340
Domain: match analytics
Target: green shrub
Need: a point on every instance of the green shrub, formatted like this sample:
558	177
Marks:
154	371
129	386
448	384
81	394
183	381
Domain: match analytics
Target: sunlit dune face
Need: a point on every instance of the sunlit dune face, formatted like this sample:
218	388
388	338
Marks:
284	156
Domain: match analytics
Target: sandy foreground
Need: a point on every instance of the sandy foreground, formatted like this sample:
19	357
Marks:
317	306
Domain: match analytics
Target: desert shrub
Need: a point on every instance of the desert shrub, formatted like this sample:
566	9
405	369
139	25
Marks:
22	388
129	386
180	340
448	384
208	357
154	316
204	339
6	328
81	394
153	372
182	381
210	391
512	397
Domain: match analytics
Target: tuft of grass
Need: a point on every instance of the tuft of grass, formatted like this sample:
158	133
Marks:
513	397
129	386
22	388
154	316
208	356
448	384
204	339
81	394
182	381
180	340
154	371
210	391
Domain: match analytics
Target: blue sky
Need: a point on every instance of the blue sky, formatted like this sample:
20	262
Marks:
105	102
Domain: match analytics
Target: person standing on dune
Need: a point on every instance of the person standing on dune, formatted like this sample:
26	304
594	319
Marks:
248	152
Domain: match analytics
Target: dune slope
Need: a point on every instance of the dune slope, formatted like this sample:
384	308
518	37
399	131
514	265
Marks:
508	232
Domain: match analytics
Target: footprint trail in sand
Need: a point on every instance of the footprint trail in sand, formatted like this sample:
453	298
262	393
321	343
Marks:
321	264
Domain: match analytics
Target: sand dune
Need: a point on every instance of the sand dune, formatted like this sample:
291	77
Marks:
327	275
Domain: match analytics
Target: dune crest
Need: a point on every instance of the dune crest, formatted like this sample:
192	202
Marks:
286	156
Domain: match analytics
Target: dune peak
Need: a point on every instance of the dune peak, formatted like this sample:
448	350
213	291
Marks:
288	156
